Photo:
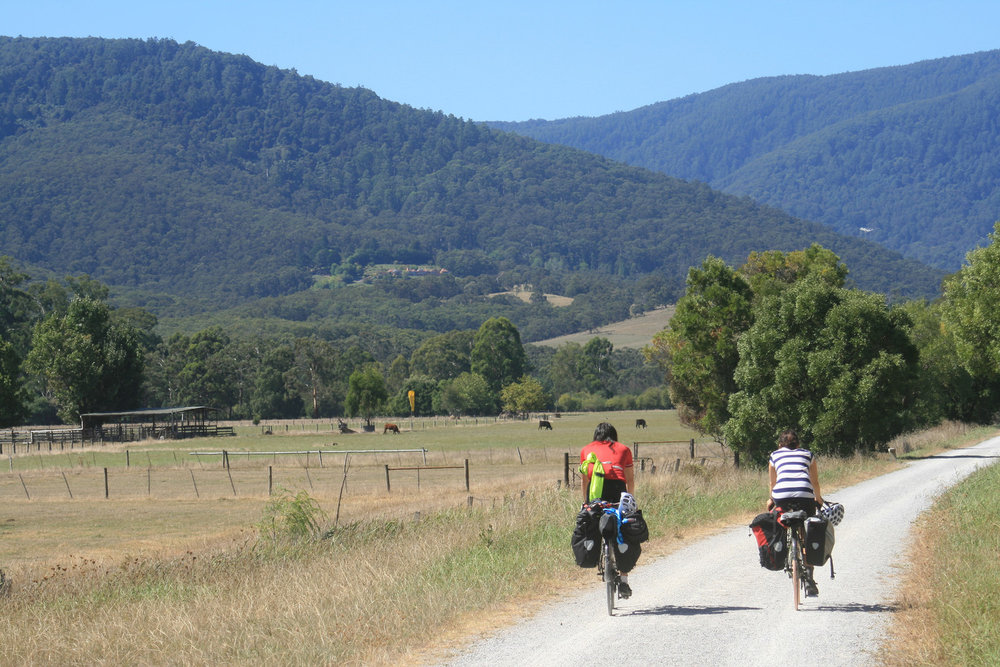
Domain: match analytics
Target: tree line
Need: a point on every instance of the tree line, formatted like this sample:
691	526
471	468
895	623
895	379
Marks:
65	351
780	342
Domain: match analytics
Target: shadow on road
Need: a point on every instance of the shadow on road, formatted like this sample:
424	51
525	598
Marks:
869	608
672	610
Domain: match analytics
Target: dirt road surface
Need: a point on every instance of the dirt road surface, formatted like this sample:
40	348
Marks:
711	603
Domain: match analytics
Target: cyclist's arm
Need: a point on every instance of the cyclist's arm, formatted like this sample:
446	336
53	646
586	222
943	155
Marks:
772	477
814	478
630	480
586	488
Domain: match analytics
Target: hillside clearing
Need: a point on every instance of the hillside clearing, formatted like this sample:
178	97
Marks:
635	332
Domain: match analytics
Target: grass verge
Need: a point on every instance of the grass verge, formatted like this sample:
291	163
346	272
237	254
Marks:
951	599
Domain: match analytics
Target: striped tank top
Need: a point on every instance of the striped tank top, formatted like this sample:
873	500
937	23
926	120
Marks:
792	466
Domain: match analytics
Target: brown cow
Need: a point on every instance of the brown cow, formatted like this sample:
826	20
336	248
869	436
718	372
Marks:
544	424
390	427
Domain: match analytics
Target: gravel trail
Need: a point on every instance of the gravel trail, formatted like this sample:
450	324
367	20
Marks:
710	603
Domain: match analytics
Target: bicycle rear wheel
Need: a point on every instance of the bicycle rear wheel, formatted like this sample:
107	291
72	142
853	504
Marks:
610	576
796	569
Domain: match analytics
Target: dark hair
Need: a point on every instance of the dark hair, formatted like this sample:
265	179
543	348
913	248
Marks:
788	439
605	432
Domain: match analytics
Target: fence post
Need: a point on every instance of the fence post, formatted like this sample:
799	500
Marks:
270	476
68	490
387	489
126	459
467	475
105	483
691	446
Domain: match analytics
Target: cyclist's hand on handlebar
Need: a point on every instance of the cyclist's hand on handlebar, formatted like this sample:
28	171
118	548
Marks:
770	504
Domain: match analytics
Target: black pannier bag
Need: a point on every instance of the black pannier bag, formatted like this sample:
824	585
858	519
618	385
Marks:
772	540
635	530
586	540
608	526
819	540
626	559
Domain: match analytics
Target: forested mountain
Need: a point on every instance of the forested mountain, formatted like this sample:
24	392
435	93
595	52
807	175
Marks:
910	153
192	181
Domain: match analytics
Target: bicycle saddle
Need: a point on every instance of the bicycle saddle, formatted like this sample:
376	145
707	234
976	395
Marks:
792	518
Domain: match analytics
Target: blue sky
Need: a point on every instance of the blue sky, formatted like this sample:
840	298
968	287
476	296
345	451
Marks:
516	60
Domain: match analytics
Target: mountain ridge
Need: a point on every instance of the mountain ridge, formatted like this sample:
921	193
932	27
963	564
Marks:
907	151
193	181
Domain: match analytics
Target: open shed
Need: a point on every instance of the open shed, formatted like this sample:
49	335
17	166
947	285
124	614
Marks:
159	424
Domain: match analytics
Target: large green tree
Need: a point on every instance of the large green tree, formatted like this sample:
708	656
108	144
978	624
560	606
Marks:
524	396
86	362
366	393
444	356
497	354
971	309
699	349
835	364
468	394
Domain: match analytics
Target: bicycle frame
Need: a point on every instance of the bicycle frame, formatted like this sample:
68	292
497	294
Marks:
608	566
795	562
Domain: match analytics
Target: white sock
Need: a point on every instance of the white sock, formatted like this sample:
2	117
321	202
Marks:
624	578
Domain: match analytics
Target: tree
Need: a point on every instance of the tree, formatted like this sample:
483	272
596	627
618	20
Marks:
13	397
524	396
207	374
597	370
971	309
444	356
85	362
366	393
835	364
699	351
497	354
773	270
313	370
468	394
271	396
425	391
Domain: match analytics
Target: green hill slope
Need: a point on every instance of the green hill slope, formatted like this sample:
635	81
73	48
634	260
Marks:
193	182
907	152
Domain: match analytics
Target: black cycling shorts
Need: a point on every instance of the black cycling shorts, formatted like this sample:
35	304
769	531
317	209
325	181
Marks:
792	504
613	490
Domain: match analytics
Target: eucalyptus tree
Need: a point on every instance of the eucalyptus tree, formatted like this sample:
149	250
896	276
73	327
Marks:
497	354
85	361
698	351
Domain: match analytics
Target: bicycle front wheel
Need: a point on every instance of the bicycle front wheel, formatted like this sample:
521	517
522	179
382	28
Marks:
610	576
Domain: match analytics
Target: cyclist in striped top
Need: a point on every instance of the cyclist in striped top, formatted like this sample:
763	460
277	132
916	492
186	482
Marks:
794	479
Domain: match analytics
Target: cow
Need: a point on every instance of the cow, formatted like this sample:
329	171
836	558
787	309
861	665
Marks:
640	423
342	425
544	424
391	427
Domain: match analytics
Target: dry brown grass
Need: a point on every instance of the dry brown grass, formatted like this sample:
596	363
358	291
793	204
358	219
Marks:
179	580
635	332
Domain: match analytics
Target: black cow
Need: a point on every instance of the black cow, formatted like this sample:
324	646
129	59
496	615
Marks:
544	424
640	423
